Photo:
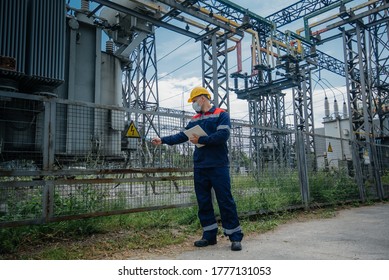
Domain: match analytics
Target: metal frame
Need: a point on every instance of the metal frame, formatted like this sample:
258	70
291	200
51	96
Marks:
303	111
215	69
379	64
298	10
359	96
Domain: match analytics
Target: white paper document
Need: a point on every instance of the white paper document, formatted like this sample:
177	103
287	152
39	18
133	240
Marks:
196	130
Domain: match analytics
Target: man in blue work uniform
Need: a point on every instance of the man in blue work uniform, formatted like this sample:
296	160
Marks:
211	169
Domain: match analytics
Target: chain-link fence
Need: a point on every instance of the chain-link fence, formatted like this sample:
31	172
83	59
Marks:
62	159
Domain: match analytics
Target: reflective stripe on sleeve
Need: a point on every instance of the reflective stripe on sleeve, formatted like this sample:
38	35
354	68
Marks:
223	127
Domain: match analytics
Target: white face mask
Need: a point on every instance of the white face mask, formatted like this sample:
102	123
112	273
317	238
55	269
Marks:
196	107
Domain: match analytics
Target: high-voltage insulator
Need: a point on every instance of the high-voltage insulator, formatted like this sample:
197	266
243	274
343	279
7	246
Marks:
109	46
344	109
85	5
326	107
336	109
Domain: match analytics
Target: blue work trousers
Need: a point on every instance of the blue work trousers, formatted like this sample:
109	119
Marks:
217	178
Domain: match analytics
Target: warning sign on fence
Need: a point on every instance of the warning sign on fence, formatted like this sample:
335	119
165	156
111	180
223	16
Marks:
132	131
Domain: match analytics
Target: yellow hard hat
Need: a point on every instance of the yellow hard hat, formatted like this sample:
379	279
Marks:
198	91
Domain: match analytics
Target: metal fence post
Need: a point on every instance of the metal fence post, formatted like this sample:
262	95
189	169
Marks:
48	202
376	171
358	170
49	134
302	167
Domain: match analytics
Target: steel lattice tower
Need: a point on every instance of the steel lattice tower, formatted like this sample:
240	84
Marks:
379	64
359	92
140	93
303	113
215	69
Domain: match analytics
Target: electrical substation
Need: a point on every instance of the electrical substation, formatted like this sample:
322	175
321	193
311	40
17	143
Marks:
76	118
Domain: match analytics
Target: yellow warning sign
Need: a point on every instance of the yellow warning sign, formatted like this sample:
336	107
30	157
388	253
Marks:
329	148
132	131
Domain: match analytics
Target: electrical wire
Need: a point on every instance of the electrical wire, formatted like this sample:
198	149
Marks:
329	85
172	51
178	68
173	96
237	64
185	64
317	83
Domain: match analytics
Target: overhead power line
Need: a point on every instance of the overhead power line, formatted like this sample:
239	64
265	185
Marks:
190	61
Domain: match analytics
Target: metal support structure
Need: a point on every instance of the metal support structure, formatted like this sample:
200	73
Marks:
379	65
378	53
258	108
266	117
302	167
140	91
269	146
235	13
266	107
360	102
276	114
237	149
145	17
215	69
298	10
303	114
354	113
256	135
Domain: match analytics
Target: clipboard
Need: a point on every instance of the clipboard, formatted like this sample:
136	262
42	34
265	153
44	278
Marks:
198	131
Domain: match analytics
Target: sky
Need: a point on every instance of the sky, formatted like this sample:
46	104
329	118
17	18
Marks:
179	67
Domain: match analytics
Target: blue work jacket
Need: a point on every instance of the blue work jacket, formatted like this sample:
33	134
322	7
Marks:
216	123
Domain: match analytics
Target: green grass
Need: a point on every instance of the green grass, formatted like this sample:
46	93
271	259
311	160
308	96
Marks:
142	230
332	187
104	237
269	192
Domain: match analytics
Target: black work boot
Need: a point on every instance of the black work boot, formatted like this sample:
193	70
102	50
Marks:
204	242
236	246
